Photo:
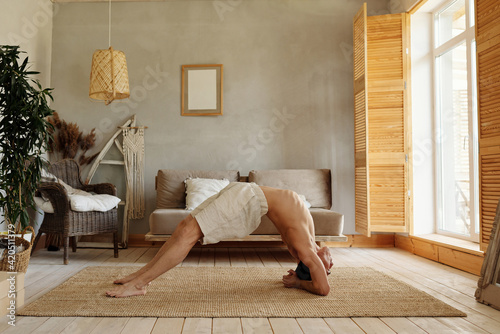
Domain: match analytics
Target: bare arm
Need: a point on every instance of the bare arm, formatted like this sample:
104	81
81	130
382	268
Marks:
319	281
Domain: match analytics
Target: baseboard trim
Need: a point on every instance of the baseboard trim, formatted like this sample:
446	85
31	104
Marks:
361	241
375	241
451	255
139	240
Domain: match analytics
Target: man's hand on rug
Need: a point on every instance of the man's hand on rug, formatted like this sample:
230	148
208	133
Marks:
291	280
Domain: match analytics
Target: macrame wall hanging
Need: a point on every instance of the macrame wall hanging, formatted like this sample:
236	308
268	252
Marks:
133	152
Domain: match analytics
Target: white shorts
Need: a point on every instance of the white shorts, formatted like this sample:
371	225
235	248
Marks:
234	212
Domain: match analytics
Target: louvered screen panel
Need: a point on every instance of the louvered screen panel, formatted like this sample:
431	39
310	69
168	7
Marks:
387	197
361	190
360	123
489	92
385	48
488	96
487	21
387	123
490	191
359	44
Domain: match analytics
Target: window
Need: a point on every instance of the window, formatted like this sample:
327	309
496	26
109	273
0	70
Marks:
456	120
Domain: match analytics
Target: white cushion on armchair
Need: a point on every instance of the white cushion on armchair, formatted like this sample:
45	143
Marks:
99	202
80	200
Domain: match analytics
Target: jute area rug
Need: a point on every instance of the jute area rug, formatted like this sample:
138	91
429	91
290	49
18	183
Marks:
238	292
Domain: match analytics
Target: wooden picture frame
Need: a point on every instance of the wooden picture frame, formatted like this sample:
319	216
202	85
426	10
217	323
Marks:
488	291
201	90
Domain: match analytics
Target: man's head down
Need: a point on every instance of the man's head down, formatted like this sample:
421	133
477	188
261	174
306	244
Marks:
325	256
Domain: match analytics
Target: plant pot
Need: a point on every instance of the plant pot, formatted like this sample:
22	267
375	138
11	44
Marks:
17	262
27	236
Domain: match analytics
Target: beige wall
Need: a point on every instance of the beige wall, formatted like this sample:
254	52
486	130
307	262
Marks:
28	23
407	4
288	100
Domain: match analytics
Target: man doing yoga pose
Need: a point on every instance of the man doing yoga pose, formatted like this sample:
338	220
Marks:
235	212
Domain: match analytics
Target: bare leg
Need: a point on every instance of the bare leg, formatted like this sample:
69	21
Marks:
163	249
183	239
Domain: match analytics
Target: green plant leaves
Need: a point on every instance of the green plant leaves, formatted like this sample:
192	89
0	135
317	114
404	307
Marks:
24	134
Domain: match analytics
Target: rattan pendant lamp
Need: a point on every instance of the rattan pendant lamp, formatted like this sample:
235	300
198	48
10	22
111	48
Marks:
109	75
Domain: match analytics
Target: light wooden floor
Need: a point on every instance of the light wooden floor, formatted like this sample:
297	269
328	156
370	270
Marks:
450	285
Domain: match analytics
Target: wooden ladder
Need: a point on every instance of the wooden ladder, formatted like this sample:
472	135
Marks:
99	160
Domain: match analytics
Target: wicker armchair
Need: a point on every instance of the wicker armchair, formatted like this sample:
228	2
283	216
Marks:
67	222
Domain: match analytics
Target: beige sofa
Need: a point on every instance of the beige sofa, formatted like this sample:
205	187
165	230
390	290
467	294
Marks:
314	184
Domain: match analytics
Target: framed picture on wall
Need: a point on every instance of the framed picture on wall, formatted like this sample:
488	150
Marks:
201	90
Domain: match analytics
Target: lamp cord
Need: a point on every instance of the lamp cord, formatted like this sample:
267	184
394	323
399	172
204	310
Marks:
109	23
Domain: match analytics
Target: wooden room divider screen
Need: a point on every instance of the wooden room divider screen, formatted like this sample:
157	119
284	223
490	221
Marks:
382	123
488	98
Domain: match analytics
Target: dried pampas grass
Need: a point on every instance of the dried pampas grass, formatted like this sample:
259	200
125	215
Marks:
68	142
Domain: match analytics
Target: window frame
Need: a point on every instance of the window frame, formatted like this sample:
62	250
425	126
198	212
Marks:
467	36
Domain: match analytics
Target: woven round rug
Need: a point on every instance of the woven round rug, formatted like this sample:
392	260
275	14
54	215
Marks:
217	292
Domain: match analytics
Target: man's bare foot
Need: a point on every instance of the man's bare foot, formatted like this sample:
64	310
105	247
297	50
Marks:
126	290
127	279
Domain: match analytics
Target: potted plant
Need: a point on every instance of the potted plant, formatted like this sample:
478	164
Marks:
24	136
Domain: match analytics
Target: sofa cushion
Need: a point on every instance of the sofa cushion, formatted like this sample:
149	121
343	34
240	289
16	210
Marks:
171	190
326	222
314	184
164	221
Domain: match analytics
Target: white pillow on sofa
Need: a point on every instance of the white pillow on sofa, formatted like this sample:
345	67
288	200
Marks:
198	190
306	202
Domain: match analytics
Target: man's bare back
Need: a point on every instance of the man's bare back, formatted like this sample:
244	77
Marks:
291	218
295	224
